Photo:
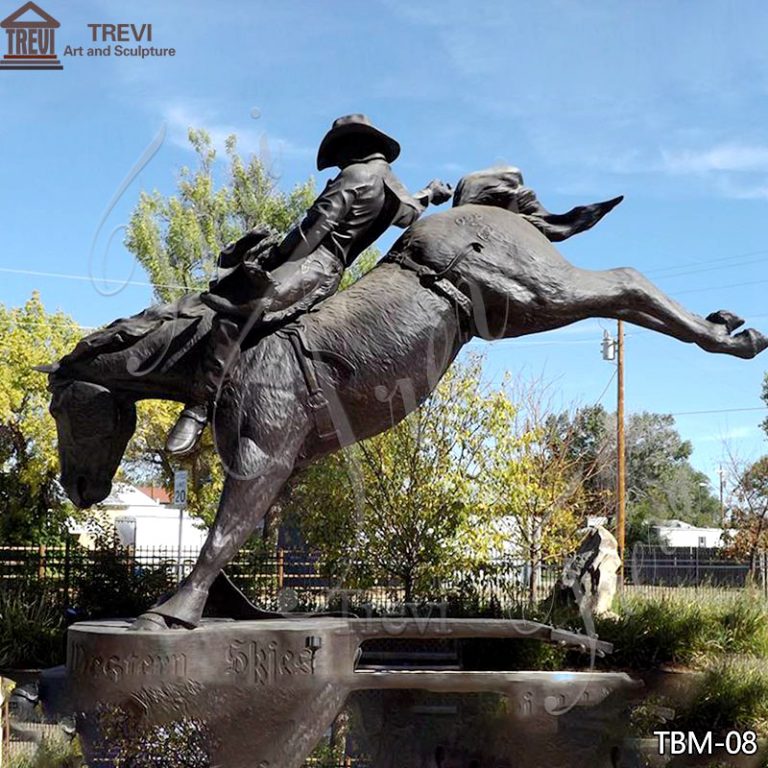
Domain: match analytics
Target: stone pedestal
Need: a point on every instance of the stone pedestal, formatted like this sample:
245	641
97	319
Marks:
262	693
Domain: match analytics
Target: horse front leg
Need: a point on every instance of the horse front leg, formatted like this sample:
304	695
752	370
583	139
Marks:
625	294
244	502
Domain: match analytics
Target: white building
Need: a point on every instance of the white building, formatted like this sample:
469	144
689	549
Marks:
676	533
143	521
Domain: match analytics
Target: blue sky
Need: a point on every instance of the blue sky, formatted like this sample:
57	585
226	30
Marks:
662	102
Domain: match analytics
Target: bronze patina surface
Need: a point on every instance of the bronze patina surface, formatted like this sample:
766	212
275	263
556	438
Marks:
262	693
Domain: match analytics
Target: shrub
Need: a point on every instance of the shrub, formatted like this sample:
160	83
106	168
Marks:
650	633
32	628
116	585
129	741
733	695
119	587
52	753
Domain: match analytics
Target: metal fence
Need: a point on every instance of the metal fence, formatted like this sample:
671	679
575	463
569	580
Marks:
293	580
689	566
284	580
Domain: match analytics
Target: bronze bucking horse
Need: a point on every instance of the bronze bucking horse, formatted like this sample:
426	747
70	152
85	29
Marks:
363	360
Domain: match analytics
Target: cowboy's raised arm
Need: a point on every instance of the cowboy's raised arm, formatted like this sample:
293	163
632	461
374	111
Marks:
412	206
435	193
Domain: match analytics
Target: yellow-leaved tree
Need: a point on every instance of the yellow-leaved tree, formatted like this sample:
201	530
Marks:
537	484
446	489
32	506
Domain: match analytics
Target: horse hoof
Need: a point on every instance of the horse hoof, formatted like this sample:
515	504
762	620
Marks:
148	622
726	318
754	342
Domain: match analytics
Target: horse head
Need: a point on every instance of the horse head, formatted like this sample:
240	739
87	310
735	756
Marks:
93	425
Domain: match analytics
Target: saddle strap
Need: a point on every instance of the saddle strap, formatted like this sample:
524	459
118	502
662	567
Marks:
447	289
439	284
317	401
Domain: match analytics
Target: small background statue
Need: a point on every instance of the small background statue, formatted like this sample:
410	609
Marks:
592	572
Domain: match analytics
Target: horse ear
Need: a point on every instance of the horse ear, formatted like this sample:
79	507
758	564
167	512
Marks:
52	368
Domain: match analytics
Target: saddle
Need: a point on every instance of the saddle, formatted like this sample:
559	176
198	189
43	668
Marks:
244	274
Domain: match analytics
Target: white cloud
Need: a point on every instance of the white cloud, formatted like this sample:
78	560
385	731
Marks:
735	433
250	139
740	158
737	189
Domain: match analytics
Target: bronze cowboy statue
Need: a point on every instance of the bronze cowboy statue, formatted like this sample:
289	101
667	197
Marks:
485	268
353	211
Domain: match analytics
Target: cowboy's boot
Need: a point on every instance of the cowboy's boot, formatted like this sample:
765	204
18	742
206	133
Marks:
183	438
222	353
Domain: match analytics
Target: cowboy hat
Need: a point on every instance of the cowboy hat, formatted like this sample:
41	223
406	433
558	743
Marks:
351	125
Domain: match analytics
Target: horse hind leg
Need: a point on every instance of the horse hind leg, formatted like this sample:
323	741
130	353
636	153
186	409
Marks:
746	344
626	294
726	318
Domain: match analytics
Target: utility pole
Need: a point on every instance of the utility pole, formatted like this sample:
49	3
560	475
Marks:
613	349
722	475
621	477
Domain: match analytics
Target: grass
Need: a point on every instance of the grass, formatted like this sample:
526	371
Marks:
733	695
725	639
670	631
52	753
730	696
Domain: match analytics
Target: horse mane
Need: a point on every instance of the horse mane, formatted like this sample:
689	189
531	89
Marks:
168	319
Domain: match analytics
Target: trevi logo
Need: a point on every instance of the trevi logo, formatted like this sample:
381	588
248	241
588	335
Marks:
31	38
31	41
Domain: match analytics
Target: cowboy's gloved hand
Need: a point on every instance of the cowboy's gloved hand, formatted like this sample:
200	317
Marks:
233	253
439	191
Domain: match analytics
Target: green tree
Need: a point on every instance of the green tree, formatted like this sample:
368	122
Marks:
32	506
654	450
177	239
749	511
661	482
406	505
539	481
588	437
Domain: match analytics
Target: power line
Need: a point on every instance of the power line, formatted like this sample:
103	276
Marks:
721	287
719	410
603	393
678	270
92	279
720	260
711	269
187	289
